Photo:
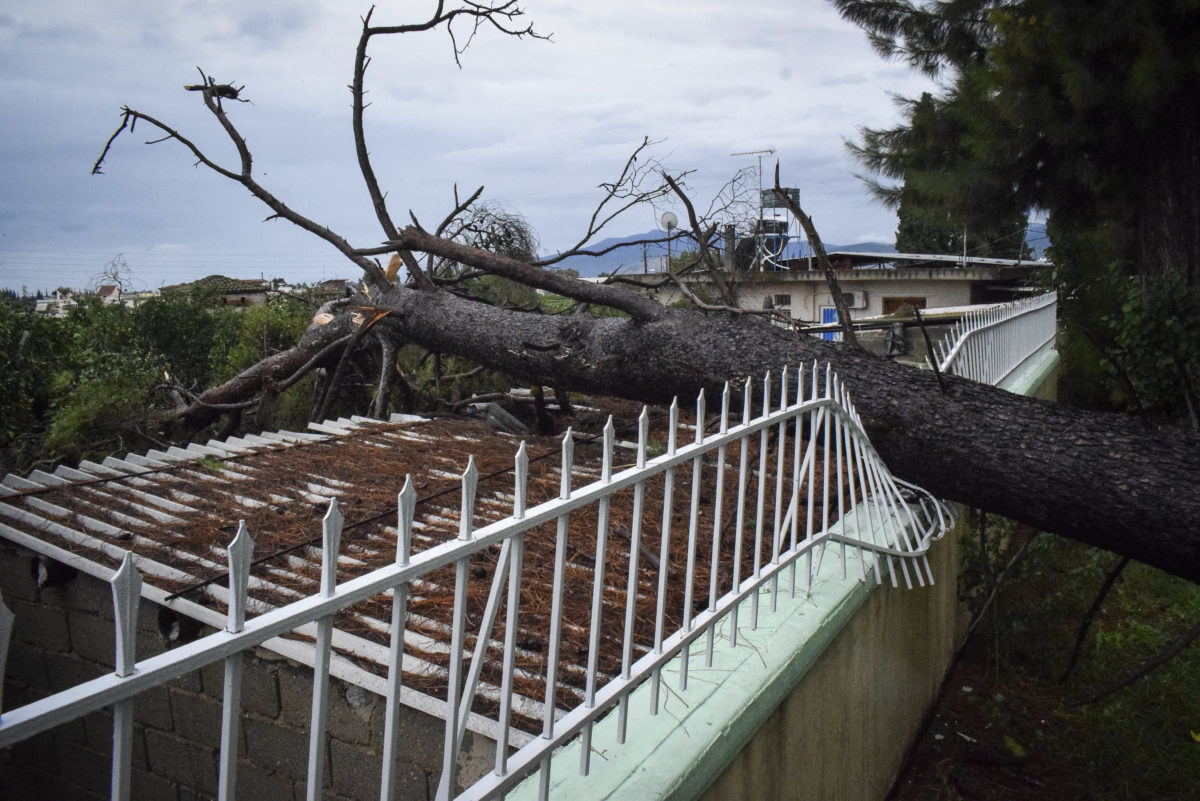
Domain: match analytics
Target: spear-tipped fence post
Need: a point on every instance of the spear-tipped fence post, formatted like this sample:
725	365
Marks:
241	552
331	530
406	502
6	626
127	593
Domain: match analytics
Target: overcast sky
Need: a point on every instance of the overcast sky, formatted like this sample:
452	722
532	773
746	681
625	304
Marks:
539	124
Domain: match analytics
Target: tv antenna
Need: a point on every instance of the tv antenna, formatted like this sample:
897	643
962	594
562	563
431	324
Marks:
669	223
758	256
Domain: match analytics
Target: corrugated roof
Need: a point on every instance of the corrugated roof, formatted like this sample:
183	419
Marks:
221	284
177	510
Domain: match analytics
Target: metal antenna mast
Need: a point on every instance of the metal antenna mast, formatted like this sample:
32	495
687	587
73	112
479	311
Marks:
757	234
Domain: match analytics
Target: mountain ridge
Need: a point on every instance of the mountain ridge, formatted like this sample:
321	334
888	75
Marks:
628	259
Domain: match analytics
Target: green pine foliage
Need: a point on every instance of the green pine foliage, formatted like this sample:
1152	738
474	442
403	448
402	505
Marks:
1088	113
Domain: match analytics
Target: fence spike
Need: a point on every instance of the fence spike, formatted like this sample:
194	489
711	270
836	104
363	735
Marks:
725	408
568	464
673	427
610	435
241	551
126	590
643	435
470	482
700	413
331	541
520	477
406	502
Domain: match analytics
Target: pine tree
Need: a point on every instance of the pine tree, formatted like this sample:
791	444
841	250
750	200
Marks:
1087	111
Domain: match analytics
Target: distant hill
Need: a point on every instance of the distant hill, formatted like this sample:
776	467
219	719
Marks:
629	259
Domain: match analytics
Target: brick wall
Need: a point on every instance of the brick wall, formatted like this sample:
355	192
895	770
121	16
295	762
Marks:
63	635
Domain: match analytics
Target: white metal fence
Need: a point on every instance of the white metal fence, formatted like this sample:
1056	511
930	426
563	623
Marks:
730	536
993	343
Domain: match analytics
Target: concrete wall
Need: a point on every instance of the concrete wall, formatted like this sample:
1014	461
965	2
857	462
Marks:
843	732
809	298
941	287
63	636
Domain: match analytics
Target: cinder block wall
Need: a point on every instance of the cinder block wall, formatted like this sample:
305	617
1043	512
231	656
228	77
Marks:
63	635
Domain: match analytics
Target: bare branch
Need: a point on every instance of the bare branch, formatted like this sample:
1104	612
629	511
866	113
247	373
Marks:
360	142
637	306
703	237
243	176
624	193
459	208
814	241
1152	664
777	315
335	381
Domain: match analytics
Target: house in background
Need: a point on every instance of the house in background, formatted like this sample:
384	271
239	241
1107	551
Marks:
230	291
57	305
875	284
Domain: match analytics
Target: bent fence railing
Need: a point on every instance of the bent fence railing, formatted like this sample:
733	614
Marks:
992	343
806	478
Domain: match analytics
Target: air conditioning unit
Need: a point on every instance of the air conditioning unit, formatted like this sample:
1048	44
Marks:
855	300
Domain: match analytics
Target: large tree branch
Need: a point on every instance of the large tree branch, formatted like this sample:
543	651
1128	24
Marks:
637	306
1081	474
317	346
814	241
621	195
281	210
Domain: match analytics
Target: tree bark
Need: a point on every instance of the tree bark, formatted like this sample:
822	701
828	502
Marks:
1167	220
279	370
1094	477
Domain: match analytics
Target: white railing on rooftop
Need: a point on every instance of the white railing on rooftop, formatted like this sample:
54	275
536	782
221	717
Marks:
816	482
994	342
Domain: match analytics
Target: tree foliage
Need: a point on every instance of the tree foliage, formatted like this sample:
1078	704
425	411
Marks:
1088	112
941	208
106	377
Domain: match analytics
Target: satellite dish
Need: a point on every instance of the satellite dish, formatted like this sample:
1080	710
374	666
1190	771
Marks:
669	221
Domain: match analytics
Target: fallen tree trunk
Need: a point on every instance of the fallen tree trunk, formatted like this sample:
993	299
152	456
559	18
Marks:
1099	478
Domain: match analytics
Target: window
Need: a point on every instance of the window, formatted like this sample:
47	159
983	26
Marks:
782	300
829	316
891	305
